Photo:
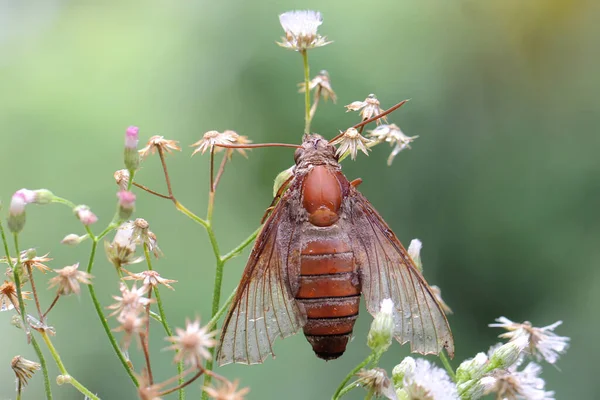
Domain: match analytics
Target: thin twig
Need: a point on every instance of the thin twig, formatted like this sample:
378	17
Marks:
164	196
164	165
51	306
257	145
35	295
221	170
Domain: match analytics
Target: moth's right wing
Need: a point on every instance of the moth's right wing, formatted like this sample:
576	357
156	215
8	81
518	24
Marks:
264	308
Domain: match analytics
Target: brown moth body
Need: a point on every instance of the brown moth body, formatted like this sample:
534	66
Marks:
322	246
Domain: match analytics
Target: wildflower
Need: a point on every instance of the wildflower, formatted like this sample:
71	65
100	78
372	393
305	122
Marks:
394	136
72	239
212	138
16	211
472	367
69	278
160	144
350	142
227	391
192	343
29	260
414	251
422	380
543	343
510	384
382	329
131	300
150	279
368	108
131	323
9	298
476	389
23	369
321	84
126	203
85	215
377	382
301	30
121	251
122	178
407	366
131	156
508	354
142	235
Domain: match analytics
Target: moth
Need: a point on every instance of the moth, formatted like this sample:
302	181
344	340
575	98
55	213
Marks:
322	246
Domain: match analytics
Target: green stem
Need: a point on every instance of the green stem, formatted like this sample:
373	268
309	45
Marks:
66	202
448	367
63	371
213	321
163	320
342	388
191	215
242	245
42	359
103	320
306	92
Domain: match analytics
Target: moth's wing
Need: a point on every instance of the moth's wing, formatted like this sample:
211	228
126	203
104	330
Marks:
264	308
388	272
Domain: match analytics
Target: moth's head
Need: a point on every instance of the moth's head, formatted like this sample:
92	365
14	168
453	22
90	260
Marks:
315	150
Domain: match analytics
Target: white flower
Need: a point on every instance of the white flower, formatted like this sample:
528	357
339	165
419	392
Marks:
510	384
394	136
301	30
427	382
382	328
192	343
508	354
543	343
350	142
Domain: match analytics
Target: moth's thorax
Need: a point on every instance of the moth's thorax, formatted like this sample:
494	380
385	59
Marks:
322	196
315	151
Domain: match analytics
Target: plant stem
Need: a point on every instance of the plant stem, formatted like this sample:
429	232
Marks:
35	295
306	91
51	306
103	321
213	321
242	245
448	367
61	367
42	359
342	389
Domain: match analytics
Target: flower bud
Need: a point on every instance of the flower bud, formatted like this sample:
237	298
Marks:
414	251
85	215
509	353
471	367
407	366
43	196
16	211
73	239
126	204
382	328
132	157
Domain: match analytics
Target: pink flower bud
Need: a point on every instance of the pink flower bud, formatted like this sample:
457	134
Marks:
16	211
132	157
126	203
27	195
131	137
85	215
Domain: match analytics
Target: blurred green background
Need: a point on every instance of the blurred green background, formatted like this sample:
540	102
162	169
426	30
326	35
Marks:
502	186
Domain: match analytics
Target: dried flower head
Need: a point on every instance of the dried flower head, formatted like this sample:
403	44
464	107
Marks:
69	279
510	384
369	108
350	142
227	391
9	298
422	380
131	300
23	369
131	323
150	279
212	138
237	139
377	383
159	143
394	136
543	343
121	251
146	390
29	260
142	235
192	343
122	178
321	84
301	30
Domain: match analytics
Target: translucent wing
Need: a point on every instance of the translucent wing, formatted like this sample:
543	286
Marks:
263	308
387	271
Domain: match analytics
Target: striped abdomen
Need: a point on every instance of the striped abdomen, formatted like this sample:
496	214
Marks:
329	286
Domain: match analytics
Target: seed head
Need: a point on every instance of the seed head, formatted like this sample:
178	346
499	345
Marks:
350	142
159	142
69	279
150	279
23	369
394	136
142	235
369	108
301	30
192	343
212	138
377	382
321	84
227	391
542	343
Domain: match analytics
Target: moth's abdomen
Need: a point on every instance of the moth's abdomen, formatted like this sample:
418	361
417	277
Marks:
329	289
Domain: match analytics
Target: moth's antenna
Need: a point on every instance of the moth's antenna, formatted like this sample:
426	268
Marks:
256	145
375	118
